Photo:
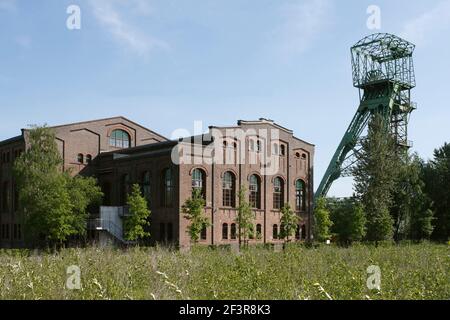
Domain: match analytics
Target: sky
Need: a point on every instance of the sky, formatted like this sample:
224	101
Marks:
166	64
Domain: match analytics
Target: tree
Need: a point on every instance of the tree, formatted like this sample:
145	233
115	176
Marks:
436	176
245	218
193	210
136	223
289	222
375	177
349	220
53	203
323	222
411	209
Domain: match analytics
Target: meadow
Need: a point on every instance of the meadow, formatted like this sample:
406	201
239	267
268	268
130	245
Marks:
408	271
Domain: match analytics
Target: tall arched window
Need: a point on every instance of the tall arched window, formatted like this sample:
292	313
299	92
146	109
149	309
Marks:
255	192
146	184
258	231
229	190
125	188
168	188
203	234
300	195
199	182
275	232
225	231
88	159
233	232
80	158
119	139
278	193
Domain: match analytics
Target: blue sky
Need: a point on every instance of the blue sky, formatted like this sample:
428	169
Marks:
167	63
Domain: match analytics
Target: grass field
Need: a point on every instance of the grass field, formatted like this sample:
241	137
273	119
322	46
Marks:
407	272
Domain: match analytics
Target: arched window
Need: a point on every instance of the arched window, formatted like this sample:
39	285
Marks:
255	192
125	188
168	188
258	231
275	232
80	158
229	190
146	178
283	150
278	193
225	231
203	234
233	232
300	195
88	159
199	182
119	139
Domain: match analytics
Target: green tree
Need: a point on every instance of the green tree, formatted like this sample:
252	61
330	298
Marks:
136	223
193	210
375	176
436	175
245	218
323	222
53	203
411	209
289	223
349	220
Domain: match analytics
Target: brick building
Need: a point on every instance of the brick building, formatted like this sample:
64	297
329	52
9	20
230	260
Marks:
267	159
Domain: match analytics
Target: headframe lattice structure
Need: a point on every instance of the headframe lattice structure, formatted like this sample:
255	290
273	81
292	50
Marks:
383	72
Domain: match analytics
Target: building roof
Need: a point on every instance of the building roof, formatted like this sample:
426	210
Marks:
106	119
11	140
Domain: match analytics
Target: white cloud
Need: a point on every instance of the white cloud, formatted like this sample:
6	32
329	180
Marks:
428	25
303	22
8	5
109	14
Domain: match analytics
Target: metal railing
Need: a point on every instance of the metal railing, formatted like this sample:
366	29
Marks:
108	226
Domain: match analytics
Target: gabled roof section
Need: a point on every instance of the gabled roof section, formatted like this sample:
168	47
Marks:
107	119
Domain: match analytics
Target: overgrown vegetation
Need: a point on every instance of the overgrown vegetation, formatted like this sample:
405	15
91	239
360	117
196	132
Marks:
407	272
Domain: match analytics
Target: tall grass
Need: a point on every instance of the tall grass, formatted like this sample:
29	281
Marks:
407	272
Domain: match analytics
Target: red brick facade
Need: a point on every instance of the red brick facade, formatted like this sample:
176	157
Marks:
166	169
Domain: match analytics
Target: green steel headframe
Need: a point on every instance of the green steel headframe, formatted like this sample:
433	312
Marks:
383	72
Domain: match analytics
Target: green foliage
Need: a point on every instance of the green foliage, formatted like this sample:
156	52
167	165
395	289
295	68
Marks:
323	223
349	220
53	203
436	175
245	218
409	272
289	222
375	176
135	224
193	210
411	208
